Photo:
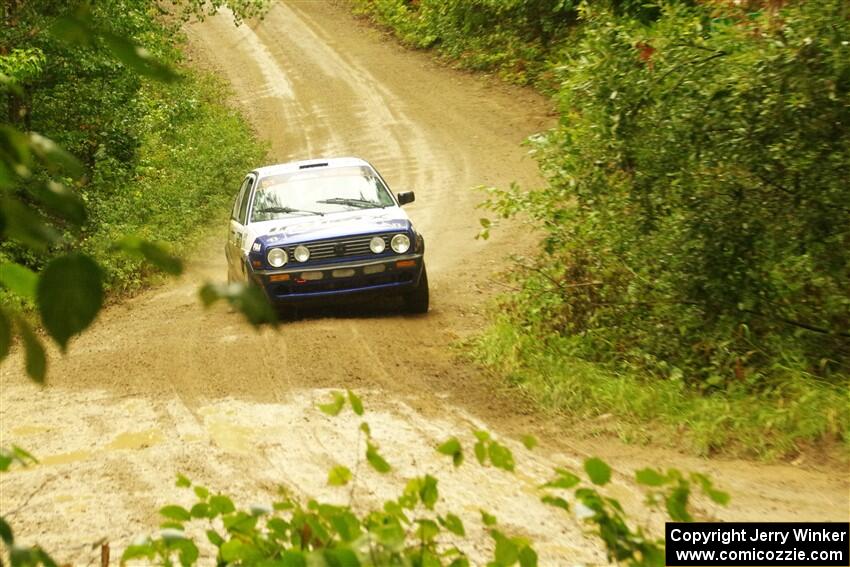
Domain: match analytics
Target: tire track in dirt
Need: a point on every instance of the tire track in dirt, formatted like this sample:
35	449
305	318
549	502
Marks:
160	386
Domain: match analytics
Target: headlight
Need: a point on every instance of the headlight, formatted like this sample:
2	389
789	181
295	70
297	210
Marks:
277	257
301	253
377	244
400	243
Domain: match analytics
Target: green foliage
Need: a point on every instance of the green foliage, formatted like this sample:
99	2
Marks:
522	40
29	557
250	300
529	441
334	407
356	403
91	99
79	29
18	279
638	407
70	293
487	449
696	209
53	205
624	543
15	456
156	253
35	358
564	479
695	217
18	555
453	449
192	150
513	37
21	65
122	149
239	9
598	471
673	490
407	530
488	519
5	335
339	476
375	460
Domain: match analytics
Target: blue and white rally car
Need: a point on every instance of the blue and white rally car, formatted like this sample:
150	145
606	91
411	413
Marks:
325	229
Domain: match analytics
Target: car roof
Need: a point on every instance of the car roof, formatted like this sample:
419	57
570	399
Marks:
311	164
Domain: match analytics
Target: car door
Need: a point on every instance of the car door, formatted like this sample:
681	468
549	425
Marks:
238	232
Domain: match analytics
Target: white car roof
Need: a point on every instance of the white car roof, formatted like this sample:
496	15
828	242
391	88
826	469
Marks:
318	164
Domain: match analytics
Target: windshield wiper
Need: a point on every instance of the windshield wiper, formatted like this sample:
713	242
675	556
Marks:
362	203
288	210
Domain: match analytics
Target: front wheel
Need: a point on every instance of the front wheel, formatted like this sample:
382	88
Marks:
416	300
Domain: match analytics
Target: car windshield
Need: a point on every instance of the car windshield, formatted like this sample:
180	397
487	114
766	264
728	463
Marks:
319	192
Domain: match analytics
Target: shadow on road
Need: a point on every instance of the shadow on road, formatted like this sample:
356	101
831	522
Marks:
371	308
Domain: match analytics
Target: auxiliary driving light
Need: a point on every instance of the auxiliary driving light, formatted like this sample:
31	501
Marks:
377	244
400	243
301	253
277	257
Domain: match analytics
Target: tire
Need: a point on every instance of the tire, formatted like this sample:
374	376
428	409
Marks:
416	301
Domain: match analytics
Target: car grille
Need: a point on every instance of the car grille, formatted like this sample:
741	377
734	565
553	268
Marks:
356	246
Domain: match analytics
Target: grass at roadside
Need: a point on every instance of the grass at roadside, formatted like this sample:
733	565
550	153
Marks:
193	151
495	37
799	415
192	158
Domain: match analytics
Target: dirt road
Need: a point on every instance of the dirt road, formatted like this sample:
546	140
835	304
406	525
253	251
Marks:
160	386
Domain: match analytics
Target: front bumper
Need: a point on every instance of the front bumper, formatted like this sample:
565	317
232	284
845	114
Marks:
294	283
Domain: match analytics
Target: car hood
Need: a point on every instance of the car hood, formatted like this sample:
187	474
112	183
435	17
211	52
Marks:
295	229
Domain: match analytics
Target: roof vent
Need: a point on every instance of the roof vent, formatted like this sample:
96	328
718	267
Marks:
309	165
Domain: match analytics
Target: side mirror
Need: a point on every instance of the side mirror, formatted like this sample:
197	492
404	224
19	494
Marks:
405	197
